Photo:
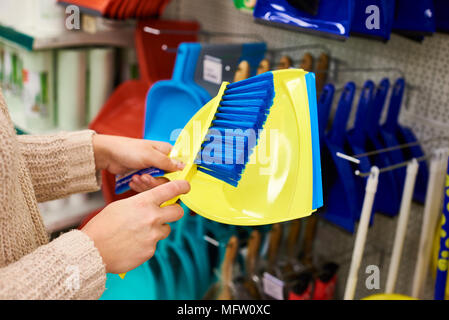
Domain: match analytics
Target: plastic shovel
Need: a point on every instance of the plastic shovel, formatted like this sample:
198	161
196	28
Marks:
333	19
340	189
324	108
361	140
405	135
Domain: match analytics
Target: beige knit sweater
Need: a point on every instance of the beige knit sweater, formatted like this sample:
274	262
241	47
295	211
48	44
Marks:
41	168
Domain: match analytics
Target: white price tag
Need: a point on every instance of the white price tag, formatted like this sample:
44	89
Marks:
273	287
212	69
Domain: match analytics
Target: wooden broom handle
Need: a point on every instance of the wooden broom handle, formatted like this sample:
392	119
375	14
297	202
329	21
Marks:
253	252
292	238
275	241
227	268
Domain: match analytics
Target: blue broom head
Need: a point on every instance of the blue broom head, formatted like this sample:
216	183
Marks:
235	130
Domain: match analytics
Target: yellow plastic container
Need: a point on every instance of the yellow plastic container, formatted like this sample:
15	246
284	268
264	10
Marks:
277	184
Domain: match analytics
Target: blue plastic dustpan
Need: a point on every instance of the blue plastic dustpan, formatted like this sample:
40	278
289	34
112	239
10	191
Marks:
140	284
333	18
186	69
441	15
414	18
388	140
342	204
361	140
405	135
373	18
324	107
188	236
171	103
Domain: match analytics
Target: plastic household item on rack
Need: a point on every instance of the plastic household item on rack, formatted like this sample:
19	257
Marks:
141	284
197	70
377	136
124	112
38	90
222	290
362	232
71	88
441	15
441	273
324	108
12	81
361	139
342	200
119	9
333	19
404	135
414	18
297	125
373	19
156	61
322	71
401	229
247	5
434	199
100	79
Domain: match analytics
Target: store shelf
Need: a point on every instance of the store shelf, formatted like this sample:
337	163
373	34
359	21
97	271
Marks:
65	213
123	37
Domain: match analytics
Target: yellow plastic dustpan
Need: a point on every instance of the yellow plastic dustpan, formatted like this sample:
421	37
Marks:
277	184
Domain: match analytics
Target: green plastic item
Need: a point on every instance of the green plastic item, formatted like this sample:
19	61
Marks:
247	5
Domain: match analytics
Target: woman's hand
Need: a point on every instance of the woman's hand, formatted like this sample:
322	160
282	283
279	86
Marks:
126	232
119	155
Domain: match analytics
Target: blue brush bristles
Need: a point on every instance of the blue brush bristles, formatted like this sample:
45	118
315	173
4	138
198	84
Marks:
234	132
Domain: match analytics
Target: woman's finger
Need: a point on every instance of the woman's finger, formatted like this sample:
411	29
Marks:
165	231
138	184
162	161
163	147
152	182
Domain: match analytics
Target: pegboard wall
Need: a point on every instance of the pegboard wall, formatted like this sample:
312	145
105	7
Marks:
425	67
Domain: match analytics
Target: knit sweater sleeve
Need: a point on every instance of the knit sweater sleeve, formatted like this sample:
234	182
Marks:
69	267
60	164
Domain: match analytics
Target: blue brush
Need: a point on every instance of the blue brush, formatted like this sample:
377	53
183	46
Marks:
240	106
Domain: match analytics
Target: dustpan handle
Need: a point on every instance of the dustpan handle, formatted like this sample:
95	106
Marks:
378	105
363	108
324	107
338	129
395	104
401	228
362	232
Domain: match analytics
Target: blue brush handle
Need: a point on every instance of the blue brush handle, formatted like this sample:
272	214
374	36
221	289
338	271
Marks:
377	106
337	132
324	107
122	181
443	254
395	105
